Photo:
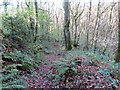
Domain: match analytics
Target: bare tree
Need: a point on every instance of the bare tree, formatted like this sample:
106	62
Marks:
75	16
87	41
96	28
109	29
66	25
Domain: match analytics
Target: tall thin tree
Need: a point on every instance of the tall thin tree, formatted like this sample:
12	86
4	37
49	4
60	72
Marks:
117	58
66	25
36	23
87	41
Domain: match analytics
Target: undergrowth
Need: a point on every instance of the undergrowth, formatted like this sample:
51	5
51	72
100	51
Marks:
20	53
83	69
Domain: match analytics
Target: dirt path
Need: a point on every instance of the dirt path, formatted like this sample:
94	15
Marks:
38	78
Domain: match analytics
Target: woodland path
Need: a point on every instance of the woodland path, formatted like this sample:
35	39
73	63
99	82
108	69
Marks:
38	78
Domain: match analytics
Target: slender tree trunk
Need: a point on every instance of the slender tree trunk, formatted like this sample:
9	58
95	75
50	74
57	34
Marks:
87	42
66	25
77	41
109	30
31	25
117	58
72	28
96	36
48	23
76	14
75	34
57	22
96	25
12	28
36	27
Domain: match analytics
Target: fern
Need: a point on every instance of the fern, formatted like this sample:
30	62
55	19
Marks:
12	86
13	66
6	77
16	81
18	56
62	70
12	81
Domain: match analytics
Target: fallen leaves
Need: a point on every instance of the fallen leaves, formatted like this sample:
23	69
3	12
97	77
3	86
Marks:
88	76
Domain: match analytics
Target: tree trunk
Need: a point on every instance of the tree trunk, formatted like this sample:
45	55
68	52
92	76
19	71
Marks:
96	25
5	7
96	28
117	58
75	34
66	25
87	41
75	16
36	27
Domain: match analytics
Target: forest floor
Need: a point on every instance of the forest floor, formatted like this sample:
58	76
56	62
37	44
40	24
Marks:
89	74
38	78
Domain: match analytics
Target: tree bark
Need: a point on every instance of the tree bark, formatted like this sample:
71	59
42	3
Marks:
117	58
36	23
87	41
96	27
66	25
